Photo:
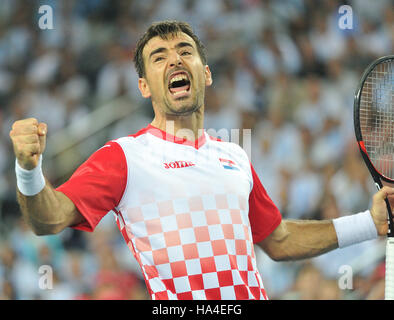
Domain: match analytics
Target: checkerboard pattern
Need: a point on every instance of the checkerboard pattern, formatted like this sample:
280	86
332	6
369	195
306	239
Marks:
194	248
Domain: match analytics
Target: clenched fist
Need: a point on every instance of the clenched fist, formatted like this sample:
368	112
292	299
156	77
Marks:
29	139
379	209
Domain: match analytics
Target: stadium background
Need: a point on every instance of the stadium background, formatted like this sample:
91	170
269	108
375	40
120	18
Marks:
282	68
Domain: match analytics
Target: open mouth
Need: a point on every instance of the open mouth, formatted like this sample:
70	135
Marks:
179	84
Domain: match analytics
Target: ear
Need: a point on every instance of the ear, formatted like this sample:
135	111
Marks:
144	87
208	76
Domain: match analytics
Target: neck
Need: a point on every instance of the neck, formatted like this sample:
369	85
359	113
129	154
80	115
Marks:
187	126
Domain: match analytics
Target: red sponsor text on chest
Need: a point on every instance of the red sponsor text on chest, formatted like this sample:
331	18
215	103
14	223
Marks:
178	164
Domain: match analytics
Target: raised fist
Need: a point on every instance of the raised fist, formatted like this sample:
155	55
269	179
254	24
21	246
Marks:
29	139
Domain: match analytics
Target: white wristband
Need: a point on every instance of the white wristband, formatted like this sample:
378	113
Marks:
355	228
30	182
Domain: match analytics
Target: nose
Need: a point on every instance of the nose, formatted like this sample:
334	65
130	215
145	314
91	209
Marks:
175	60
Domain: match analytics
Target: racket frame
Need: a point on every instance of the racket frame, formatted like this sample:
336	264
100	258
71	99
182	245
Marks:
376	175
379	179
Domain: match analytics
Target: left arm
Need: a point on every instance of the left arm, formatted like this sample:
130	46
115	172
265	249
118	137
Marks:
301	239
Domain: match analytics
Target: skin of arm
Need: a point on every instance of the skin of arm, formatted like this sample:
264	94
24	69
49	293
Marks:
49	211
302	239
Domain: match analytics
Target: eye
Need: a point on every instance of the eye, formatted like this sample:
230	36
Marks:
185	53
158	59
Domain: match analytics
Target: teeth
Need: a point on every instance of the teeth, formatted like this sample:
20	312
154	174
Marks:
179	92
179	77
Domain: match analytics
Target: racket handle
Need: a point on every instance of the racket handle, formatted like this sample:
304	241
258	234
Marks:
389	285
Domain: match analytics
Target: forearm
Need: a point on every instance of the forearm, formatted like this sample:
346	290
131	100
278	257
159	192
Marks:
301	239
48	212
45	209
310	238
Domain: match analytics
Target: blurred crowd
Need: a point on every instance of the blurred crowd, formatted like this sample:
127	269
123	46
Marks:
284	69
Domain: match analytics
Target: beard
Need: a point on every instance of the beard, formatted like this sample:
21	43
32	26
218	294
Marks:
184	109
183	106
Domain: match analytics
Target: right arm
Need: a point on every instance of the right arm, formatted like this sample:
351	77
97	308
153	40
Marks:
49	211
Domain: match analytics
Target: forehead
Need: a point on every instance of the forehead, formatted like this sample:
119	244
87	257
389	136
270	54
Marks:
170	42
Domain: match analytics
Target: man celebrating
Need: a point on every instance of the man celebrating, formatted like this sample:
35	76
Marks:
190	207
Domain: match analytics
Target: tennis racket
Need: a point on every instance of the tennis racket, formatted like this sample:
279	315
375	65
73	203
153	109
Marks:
374	127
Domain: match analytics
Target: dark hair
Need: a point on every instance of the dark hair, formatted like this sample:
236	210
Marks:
164	29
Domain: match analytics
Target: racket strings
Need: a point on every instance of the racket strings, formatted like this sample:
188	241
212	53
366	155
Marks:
377	117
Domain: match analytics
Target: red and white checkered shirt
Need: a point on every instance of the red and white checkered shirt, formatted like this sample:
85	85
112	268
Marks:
189	212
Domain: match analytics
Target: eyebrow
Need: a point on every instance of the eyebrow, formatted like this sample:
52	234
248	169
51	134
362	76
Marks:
178	46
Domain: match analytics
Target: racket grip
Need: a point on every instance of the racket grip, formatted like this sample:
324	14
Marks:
389	284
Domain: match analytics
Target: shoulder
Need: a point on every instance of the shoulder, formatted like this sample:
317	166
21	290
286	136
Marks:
108	155
121	142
